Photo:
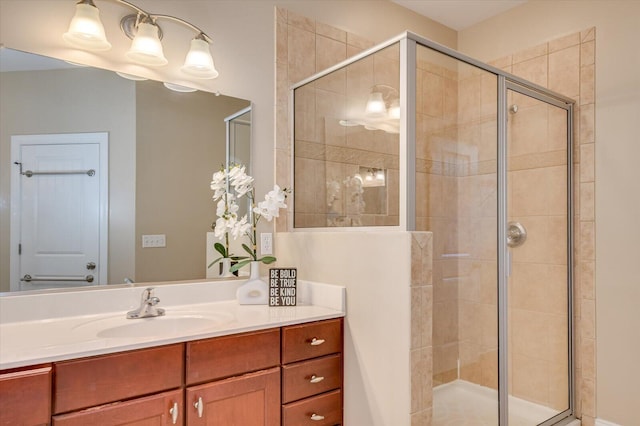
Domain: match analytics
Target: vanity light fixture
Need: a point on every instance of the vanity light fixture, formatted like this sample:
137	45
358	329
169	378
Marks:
86	31
178	87
131	76
371	177
376	106
382	111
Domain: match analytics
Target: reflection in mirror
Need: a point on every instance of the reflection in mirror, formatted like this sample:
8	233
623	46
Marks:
161	148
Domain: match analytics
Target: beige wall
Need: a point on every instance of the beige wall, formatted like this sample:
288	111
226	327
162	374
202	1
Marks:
27	108
387	372
617	96
175	160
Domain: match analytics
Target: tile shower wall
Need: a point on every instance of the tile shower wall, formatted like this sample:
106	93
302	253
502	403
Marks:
304	46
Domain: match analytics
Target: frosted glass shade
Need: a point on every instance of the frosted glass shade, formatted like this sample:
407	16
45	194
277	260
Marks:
199	62
375	105
86	30
146	48
394	110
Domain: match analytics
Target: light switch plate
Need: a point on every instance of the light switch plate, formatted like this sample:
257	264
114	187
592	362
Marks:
158	240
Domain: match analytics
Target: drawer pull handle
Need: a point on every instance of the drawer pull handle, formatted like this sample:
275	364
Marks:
316	342
199	406
174	413
316	379
316	417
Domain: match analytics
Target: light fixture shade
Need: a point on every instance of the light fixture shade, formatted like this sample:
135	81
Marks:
394	110
178	87
146	48
375	105
199	62
86	30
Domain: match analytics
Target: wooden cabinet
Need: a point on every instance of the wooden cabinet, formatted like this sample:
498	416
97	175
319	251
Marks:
89	382
281	376
161	409
220	357
249	400
250	394
25	396
312	374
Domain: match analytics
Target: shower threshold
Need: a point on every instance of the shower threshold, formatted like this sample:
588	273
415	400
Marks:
464	403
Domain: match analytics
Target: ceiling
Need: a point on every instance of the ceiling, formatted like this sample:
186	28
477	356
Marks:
459	14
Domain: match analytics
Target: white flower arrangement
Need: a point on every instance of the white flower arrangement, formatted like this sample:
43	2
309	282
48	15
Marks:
235	178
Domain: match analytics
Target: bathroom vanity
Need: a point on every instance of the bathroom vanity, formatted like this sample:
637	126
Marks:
262	366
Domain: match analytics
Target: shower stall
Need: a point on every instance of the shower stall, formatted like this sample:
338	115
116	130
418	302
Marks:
413	136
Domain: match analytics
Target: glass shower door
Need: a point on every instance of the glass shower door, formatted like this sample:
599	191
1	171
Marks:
538	258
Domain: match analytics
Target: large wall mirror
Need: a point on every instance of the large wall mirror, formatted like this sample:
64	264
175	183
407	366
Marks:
161	149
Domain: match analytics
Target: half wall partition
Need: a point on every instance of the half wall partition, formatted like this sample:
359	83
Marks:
413	136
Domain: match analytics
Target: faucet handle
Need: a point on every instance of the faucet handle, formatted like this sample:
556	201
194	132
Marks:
146	294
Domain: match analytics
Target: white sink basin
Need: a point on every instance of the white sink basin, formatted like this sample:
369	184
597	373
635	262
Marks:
170	324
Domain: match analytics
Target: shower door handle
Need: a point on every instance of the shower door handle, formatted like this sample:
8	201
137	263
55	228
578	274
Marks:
516	234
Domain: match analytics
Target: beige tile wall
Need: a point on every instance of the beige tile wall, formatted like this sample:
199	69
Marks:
421	328
328	155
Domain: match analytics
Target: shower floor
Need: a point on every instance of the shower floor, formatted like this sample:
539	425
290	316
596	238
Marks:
461	403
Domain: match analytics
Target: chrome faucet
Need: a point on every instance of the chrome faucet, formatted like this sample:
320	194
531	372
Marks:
147	307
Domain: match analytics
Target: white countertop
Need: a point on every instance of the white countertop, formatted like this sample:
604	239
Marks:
41	338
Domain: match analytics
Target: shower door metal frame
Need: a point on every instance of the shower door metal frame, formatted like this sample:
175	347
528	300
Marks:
504	85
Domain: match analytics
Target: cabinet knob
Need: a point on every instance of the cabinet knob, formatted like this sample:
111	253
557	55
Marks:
199	406
316	379
174	413
316	342
316	417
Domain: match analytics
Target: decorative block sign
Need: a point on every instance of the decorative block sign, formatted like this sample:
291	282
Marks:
282	286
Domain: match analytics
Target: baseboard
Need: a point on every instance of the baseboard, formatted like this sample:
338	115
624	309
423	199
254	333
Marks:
600	422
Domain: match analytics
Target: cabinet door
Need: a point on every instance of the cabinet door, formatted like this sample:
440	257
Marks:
248	400
156	410
25	397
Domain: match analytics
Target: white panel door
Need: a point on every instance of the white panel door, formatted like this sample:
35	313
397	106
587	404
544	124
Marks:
60	211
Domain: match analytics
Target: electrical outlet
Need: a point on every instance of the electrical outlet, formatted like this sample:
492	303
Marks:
159	240
266	243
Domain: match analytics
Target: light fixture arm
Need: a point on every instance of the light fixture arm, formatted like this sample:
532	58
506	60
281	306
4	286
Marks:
201	34
144	14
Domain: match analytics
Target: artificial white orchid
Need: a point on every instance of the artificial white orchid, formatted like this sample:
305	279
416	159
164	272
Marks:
273	202
227	211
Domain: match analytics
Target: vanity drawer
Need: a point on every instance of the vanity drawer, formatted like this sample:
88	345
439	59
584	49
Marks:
300	342
94	381
321	410
307	378
25	396
228	356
